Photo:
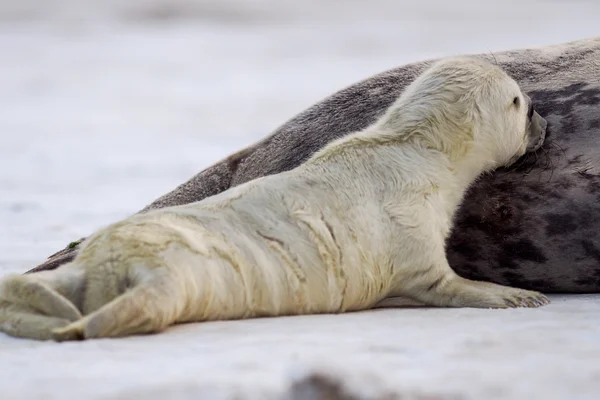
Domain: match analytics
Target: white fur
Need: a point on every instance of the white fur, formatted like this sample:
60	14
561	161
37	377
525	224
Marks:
364	219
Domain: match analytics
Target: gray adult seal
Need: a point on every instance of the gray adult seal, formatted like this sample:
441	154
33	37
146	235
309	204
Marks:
535	225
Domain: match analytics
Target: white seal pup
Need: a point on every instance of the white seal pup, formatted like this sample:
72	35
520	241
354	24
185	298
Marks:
364	219
534	225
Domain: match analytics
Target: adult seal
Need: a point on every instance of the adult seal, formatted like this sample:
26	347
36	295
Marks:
534	226
364	219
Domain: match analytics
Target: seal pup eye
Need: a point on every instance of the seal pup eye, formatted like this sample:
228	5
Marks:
516	101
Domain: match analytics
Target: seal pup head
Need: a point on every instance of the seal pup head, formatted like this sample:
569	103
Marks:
469	109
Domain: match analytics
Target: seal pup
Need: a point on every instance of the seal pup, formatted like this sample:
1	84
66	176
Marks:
364	219
533	226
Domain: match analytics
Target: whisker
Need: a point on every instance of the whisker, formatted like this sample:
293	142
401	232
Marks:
551	163
494	57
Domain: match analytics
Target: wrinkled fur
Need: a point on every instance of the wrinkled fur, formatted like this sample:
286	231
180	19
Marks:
365	218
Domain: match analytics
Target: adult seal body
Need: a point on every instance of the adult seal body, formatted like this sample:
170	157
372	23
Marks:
364	219
535	225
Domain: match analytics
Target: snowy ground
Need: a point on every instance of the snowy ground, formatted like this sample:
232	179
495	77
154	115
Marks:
104	106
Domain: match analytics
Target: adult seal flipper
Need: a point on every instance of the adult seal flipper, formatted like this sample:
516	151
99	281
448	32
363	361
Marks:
540	234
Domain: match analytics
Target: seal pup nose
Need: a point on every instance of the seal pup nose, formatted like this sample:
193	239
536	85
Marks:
537	131
536	127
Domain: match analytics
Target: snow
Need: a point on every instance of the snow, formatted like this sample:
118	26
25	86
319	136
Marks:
104	106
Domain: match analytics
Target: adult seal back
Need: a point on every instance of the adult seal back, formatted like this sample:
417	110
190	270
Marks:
535	225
